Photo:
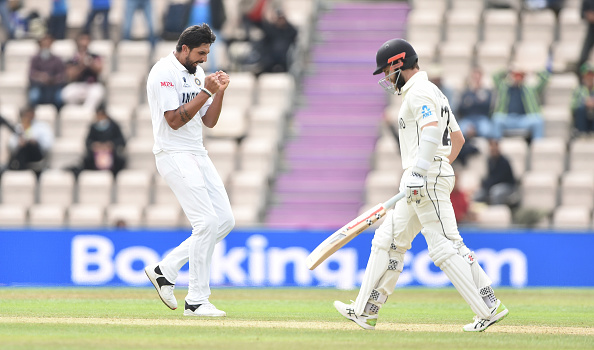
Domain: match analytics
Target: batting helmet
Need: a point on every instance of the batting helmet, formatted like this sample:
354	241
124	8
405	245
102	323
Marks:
397	53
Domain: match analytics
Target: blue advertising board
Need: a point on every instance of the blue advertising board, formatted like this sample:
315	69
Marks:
277	258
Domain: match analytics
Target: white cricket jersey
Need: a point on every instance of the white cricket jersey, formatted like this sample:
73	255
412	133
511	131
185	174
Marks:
423	103
170	85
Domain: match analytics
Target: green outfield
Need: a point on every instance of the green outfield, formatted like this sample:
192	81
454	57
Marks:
125	318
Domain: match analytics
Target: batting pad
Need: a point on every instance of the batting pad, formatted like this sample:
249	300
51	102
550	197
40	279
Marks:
481	280
458	271
376	267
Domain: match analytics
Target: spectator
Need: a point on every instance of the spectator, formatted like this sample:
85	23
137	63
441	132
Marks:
517	105
252	14
461	205
279	37
131	7
6	20
435	74
82	73
47	75
582	102
31	142
588	15
101	8
211	12
18	20
475	107
56	23
105	144
499	185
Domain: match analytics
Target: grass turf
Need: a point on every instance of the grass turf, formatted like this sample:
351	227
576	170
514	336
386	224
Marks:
30	320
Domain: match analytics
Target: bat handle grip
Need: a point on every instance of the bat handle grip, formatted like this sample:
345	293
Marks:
392	201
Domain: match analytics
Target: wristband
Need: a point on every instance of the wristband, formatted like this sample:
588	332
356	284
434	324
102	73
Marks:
206	90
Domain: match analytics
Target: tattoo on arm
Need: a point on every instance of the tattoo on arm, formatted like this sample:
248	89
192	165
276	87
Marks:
183	114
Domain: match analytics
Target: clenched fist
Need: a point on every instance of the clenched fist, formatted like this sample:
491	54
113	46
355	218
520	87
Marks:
223	80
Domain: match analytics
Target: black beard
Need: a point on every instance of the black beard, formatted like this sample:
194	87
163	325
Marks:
400	82
190	67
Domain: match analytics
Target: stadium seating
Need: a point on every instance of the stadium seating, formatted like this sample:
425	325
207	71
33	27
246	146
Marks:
47	216
56	187
13	215
539	191
95	187
256	120
162	216
86	216
495	216
130	214
577	189
572	218
18	187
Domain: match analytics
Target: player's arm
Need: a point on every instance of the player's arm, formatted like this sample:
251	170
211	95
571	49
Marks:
184	113
211	117
457	142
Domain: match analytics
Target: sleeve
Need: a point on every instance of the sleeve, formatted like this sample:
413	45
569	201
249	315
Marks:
164	91
424	109
576	98
45	136
543	79
453	123
204	108
499	79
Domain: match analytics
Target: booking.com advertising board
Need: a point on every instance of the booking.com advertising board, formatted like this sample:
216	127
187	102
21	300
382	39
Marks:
269	258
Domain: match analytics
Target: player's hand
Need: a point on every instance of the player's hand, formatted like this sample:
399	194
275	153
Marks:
224	80
211	83
415	187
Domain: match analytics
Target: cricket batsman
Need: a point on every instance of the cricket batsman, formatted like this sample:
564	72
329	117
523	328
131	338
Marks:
430	140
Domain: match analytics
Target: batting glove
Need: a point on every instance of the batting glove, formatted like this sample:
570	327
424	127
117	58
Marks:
415	187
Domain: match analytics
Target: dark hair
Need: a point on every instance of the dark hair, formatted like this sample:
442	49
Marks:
27	109
102	108
195	36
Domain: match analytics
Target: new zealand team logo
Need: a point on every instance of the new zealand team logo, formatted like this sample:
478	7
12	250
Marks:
426	111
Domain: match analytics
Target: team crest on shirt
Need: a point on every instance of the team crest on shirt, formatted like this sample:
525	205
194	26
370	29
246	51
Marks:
197	81
186	85
425	111
401	124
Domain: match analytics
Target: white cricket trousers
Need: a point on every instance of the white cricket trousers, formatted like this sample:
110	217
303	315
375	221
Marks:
201	194
434	215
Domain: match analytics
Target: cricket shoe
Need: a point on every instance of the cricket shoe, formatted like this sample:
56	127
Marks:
162	285
203	310
498	313
364	321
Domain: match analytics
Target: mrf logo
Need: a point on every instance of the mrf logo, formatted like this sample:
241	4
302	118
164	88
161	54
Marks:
426	111
166	84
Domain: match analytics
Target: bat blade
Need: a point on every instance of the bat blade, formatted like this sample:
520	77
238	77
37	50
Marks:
344	235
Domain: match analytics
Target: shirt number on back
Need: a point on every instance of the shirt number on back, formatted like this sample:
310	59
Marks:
446	141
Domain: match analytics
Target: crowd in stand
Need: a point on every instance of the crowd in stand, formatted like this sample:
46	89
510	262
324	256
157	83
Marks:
78	80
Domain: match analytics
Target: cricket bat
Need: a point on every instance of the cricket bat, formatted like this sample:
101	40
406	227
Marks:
349	231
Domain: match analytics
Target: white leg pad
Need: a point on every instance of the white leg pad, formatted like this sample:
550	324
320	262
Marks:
370	301
388	281
458	271
376	267
481	280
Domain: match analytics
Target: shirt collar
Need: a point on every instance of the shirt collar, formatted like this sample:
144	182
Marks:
420	75
176	63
